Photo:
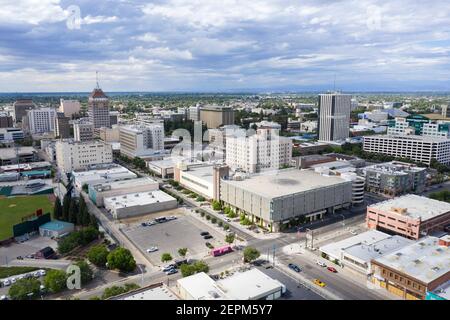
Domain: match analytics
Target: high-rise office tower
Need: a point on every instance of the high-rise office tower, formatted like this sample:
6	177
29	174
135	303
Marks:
41	120
20	108
334	116
98	104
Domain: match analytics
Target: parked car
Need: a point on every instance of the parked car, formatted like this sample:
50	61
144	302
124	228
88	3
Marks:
354	232
42	273
208	236
319	283
227	219
171	218
143	224
209	245
3	297
331	269
7	283
294	267
204	233
171	271
169	267
152	249
320	263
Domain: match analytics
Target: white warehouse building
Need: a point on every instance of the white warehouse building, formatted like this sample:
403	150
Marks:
135	204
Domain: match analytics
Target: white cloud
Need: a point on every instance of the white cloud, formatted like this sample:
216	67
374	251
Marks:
31	11
98	19
147	37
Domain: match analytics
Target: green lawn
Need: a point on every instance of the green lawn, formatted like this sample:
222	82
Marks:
14	208
6	272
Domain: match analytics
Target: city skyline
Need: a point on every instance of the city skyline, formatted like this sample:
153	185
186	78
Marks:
201	46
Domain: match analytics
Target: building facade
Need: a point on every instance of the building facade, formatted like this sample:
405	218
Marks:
417	148
6	121
265	150
72	155
410	216
98	105
334	116
21	106
69	107
62	126
141	140
41	120
216	116
83	130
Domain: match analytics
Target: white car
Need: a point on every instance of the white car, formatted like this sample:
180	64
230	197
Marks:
320	263
13	280
171	218
3	297
152	249
36	274
42	273
7	283
354	232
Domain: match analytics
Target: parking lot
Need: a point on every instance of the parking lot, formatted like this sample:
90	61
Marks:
36	243
183	232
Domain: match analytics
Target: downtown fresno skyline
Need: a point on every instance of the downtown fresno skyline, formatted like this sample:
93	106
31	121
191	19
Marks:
181	45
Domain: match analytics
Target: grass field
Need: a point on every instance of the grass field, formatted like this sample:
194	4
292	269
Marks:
13	209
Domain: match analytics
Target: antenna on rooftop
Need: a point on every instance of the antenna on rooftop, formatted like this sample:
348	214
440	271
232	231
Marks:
96	79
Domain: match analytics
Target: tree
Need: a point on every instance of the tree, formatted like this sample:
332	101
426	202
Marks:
55	280
213	219
166	257
84	217
86	272
250	254
93	222
226	227
65	207
200	199
229	238
57	209
201	266
73	211
98	255
182	252
216	205
116	290
122	259
187	270
25	289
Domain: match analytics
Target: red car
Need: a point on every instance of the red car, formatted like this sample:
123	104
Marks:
331	269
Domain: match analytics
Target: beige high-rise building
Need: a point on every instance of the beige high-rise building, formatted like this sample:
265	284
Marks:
69	107
216	116
71	155
141	140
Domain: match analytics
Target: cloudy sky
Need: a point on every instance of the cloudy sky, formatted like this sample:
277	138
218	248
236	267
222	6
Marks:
224	45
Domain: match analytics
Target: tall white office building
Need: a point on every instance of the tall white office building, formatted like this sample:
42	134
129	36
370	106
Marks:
71	155
263	151
141	140
41	120
334	116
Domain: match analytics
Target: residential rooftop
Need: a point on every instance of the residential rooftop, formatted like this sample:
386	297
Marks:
424	260
417	207
285	182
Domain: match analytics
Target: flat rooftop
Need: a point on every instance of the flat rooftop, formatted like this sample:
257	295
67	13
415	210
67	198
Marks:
57	225
409	137
424	260
248	285
149	293
286	182
137	199
417	206
366	238
394	168
205	172
443	290
377	249
10	153
200	286
124	184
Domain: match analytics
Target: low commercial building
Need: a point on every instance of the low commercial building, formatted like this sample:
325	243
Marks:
440	293
102	174
55	228
418	148
135	204
8	135
99	191
394	178
411	216
158	291
413	270
272	200
18	155
248	285
358	251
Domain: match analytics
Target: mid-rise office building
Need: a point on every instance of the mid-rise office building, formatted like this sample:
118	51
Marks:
418	125
194	113
113	117
334	116
6	121
72	155
10	134
98	105
216	116
62	126
411	216
141	140
394	178
41	120
69	107
417	148
21	106
265	150
83	130
110	134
